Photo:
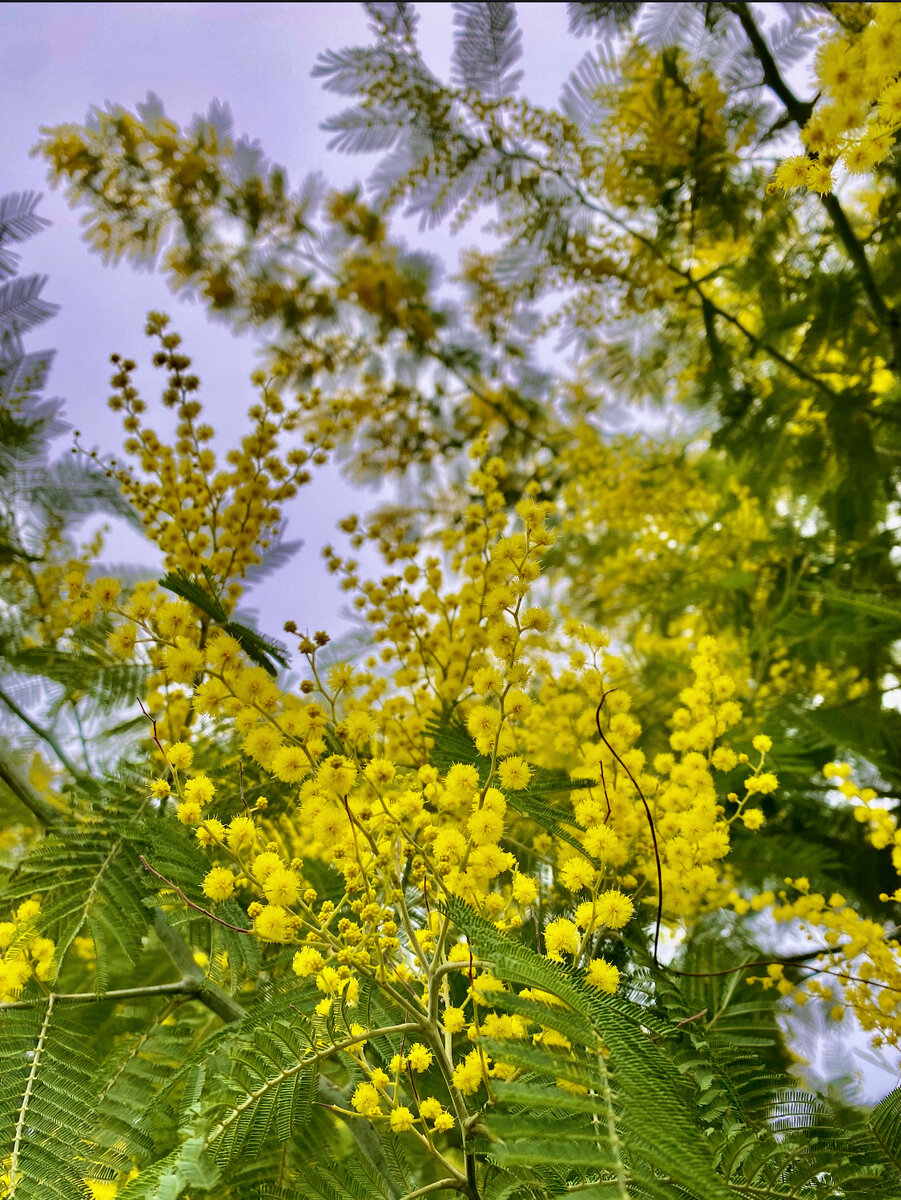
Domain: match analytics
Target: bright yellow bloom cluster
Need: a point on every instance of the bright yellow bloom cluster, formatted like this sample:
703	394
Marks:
199	514
857	967
668	119
351	755
855	121
25	954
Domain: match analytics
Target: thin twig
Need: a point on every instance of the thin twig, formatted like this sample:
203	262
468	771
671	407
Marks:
647	809
190	903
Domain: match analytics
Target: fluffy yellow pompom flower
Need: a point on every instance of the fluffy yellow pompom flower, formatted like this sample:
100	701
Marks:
282	886
485	827
105	592
443	1122
379	771
290	764
517	704
200	789
603	975
337	774
752	818
614	909
724	759
274	924
762	785
524	889
358	727
365	1100
454	1020
577	873
601	842
462	779
189	813
559	936
122	640
514	774
449	845
183	661
307	962
419	1057
180	755
481	724
264	864
28	910
219	883
401	1119
102	1189
430	1108
467	1076
241	834
210	832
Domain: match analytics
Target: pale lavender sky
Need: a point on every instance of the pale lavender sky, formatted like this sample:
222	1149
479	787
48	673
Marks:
56	60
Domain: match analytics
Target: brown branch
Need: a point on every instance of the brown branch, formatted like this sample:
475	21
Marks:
190	903
647	809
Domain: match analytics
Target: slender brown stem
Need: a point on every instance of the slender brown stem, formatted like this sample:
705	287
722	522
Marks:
190	903
647	809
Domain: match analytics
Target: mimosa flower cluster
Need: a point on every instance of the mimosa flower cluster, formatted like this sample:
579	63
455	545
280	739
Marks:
856	964
24	954
855	120
344	772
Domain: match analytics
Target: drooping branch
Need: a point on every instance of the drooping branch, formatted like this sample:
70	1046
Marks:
180	987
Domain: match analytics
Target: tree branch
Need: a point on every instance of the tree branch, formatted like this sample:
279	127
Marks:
181	987
45	735
28	795
214	997
437	1186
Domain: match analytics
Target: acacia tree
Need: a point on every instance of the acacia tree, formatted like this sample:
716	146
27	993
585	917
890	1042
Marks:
479	906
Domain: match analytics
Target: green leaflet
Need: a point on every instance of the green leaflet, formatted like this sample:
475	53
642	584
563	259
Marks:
885	1124
651	1102
264	651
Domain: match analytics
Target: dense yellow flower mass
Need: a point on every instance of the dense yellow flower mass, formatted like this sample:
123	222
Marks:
24	955
517	803
857	115
462	629
856	966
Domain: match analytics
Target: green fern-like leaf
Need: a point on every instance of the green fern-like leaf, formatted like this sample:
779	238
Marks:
46	1096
